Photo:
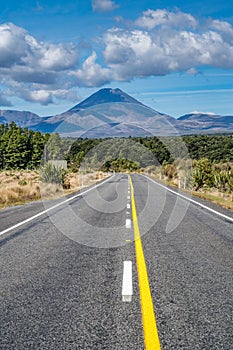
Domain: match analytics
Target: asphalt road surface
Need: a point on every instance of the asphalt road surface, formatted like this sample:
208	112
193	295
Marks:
62	271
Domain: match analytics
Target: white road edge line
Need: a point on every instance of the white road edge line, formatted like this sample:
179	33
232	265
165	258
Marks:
128	205
128	223
51	208
191	200
127	284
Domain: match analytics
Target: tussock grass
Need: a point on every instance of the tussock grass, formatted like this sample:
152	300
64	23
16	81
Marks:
18	187
223	199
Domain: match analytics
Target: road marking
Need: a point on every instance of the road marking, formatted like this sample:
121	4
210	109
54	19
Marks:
128	205
51	208
128	197
128	223
151	337
127	284
191	200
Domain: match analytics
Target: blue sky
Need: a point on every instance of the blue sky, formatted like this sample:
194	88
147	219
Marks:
174	56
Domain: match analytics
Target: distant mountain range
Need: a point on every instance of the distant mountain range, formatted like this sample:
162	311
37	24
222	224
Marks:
113	113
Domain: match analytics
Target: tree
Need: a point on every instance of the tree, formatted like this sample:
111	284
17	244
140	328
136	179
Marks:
20	148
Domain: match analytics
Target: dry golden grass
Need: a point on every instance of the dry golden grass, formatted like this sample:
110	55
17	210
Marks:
223	199
18	187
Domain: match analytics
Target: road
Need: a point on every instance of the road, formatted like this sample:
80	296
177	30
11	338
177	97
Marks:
62	271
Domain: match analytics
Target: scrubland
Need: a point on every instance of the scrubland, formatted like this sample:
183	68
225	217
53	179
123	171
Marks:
202	178
21	186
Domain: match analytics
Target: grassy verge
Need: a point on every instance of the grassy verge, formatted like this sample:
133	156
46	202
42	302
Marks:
20	187
220	199
223	199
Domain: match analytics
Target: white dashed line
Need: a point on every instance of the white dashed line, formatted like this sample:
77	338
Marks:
127	285
128	223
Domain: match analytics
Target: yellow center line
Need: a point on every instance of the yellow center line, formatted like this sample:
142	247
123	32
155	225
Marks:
151	337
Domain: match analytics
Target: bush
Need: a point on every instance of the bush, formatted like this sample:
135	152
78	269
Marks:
202	174
22	182
49	173
120	165
169	170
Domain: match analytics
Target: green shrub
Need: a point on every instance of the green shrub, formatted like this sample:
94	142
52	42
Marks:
169	170
120	165
22	182
202	174
49	173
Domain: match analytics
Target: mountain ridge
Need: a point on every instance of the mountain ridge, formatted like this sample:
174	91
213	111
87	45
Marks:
111	112
22	118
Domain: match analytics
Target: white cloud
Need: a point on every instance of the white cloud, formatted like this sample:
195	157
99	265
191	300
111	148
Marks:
13	46
91	74
30	75
221	26
139	53
104	5
46	97
168	42
40	93
224	28
19	49
154	18
58	57
32	69
159	42
42	96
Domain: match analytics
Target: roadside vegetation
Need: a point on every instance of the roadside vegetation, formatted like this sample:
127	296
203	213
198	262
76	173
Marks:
30	163
27	171
204	166
22	186
212	181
